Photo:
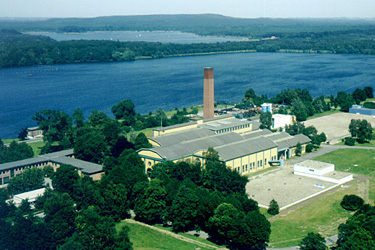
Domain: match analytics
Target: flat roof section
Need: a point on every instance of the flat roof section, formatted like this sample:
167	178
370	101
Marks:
314	164
188	135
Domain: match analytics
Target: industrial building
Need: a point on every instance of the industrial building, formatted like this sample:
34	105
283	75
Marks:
239	142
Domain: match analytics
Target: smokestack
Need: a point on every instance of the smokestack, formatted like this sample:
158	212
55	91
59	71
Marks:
208	94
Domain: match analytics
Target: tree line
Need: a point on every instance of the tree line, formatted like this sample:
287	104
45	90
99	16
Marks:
17	49
300	103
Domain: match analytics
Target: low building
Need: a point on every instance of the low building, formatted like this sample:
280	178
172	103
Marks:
31	196
266	107
34	132
358	109
322	171
280	120
55	160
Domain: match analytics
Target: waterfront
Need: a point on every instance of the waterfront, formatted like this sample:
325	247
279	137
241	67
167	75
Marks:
171	82
138	36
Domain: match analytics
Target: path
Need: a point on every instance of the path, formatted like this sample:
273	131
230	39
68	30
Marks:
177	236
27	141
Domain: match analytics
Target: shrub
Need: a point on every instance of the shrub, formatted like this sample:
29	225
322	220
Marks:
273	208
369	105
309	148
351	202
350	141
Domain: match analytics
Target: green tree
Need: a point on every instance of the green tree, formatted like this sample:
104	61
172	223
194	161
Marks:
22	135
298	149
265	120
313	241
359	95
125	110
358	231
150	207
217	176
79	118
273	208
299	110
141	141
116	203
30	179
90	147
222	223
249	96
57	128
351	202
59	216
65	178
93	231
360	129
369	92
183	211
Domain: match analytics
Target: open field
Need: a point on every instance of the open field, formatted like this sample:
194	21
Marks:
356	161
337	124
322	215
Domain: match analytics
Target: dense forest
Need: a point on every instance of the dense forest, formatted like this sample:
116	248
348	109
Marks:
289	35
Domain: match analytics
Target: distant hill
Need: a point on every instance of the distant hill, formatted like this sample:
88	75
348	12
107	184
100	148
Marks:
204	24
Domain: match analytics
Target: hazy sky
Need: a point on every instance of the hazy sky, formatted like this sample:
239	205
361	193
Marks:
235	8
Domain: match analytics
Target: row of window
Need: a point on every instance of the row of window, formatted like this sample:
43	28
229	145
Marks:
251	166
232	128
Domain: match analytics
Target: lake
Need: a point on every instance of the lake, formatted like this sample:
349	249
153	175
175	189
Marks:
137	36
171	82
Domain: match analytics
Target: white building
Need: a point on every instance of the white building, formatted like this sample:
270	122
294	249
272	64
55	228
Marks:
322	171
279	120
30	196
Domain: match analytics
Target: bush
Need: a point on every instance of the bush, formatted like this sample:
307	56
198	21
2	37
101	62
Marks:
273	208
350	141
369	105
309	148
351	202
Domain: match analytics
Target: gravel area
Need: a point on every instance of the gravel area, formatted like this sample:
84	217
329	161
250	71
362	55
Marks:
336	125
283	186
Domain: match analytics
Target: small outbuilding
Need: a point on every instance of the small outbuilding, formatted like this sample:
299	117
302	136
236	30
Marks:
322	171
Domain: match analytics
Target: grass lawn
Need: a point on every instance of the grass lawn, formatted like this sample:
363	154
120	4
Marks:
263	211
5	141
322	215
36	146
325	214
144	238
356	161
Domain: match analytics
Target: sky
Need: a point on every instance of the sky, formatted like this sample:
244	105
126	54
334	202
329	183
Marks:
234	8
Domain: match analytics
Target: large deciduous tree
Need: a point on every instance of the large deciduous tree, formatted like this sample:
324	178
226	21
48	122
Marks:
265	120
29	179
57	128
125	110
361	130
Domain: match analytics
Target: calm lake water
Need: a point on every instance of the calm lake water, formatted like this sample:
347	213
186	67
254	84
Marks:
171	82
137	36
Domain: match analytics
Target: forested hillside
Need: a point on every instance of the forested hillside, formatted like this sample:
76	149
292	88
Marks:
288	35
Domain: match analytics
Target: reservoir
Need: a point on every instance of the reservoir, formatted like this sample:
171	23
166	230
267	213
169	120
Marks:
171	82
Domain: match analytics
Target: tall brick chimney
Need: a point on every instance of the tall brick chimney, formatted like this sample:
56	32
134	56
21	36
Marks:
208	93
